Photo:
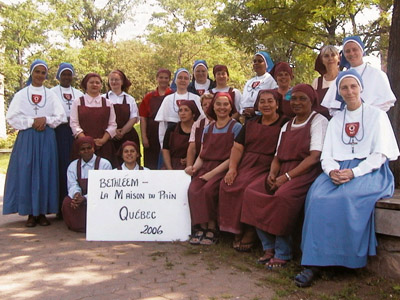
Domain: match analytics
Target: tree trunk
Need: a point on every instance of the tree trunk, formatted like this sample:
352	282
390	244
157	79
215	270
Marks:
393	66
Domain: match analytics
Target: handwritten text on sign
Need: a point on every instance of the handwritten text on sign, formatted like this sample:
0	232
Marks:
138	206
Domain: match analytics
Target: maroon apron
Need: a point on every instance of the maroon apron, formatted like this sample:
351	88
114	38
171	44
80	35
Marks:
203	195
321	94
152	153
76	218
277	212
122	116
259	151
198	134
94	122
178	145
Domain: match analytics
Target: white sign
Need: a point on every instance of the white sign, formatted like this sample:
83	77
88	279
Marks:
138	205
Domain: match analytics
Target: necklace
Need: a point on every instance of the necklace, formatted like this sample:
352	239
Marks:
352	129
70	96
175	105
36	99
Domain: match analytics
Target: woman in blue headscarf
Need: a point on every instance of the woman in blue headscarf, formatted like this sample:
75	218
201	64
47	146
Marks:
339	211
31	186
66	94
201	82
376	92
262	64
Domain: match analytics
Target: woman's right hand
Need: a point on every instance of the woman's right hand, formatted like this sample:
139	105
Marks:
190	170
145	142
39	124
271	180
230	176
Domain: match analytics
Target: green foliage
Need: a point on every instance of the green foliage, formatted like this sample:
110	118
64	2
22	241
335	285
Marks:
86	21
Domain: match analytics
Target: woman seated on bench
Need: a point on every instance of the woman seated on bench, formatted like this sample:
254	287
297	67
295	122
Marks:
339	228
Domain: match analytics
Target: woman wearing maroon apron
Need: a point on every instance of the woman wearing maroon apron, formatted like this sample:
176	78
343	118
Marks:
210	167
274	205
251	158
148	110
176	139
326	64
93	115
283	74
197	130
125	107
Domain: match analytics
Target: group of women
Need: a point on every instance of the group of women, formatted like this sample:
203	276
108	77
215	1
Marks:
285	163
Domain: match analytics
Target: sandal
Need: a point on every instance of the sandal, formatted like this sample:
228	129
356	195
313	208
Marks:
306	277
197	237
210	238
236	241
245	247
276	263
268	255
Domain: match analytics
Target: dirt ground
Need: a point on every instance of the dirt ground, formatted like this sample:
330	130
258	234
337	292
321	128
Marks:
55	263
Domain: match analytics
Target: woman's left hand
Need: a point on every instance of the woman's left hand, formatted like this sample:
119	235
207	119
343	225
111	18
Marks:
279	181
99	142
39	124
119	134
206	177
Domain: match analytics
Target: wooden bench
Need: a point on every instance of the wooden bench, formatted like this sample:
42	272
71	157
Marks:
387	227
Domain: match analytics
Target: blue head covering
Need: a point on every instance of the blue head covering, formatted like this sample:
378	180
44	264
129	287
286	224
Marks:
267	59
36	62
62	67
180	70
349	73
355	39
200	62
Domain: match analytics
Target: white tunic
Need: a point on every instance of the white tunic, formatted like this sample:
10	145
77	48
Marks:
61	91
72	176
317	131
119	99
375	140
168	111
253	86
376	92
22	110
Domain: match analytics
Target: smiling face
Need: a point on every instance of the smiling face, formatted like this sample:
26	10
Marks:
200	74
221	77
222	107
267	105
283	79
38	75
93	86
66	78
86	151
300	103
182	81
330	58
115	81
353	54
259	65
163	80
350	90
129	154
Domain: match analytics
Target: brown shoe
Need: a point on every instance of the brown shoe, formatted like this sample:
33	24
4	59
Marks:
31	222
42	220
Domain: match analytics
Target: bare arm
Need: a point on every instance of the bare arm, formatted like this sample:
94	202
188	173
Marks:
191	154
167	159
234	160
143	130
220	168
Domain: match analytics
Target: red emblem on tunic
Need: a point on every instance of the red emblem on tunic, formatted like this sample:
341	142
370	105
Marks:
255	84
201	92
67	97
36	98
352	129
